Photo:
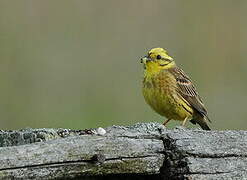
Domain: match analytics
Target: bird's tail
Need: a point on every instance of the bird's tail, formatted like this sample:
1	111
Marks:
201	121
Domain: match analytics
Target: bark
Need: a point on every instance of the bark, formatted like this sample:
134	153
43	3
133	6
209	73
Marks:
142	151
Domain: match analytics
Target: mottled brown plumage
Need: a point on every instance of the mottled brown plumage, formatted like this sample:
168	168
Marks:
188	91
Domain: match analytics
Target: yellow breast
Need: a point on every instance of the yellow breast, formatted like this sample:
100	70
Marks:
159	90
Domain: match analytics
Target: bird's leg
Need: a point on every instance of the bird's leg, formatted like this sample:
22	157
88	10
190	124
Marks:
184	122
166	122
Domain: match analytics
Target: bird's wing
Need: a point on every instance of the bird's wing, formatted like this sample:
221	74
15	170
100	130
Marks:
187	90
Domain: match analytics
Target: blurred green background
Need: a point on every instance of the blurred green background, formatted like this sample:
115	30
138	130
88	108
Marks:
76	64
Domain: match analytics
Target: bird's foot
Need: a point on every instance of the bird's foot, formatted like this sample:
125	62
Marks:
166	122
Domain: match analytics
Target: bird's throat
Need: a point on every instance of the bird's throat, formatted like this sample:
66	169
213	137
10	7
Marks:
152	68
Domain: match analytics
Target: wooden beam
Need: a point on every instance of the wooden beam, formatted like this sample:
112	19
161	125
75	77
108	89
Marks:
141	151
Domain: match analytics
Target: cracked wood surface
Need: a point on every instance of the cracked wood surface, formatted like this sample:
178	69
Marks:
142	151
213	154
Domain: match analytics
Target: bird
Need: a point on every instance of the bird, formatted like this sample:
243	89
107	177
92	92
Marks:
170	92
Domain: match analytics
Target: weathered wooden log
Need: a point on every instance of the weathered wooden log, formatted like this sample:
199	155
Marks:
142	151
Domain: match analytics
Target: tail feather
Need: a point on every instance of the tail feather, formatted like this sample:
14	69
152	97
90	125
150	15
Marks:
207	118
201	121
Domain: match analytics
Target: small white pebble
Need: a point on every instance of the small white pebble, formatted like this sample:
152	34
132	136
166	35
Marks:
101	131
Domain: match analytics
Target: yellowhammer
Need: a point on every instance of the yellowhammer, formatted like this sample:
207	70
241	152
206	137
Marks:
169	91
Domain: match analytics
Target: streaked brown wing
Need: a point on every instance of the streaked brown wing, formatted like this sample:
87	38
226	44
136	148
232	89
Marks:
188	91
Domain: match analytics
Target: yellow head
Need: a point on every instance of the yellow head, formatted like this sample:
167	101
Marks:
157	60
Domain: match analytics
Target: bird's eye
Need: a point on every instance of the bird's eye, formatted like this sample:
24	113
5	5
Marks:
158	57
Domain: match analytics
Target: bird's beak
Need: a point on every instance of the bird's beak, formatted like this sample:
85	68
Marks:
145	59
